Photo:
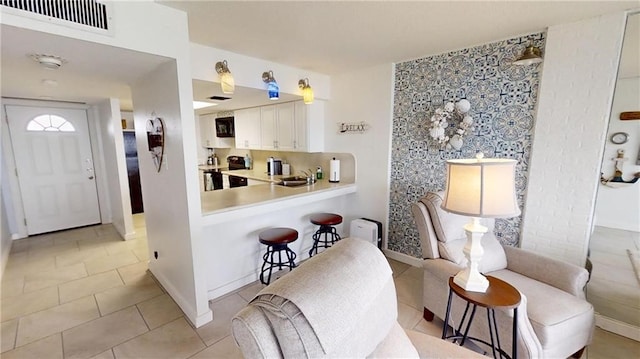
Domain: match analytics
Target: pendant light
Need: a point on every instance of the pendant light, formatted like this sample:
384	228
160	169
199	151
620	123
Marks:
307	91
531	55
227	83
272	86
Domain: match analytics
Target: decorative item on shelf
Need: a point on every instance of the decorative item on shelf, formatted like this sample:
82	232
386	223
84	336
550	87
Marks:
272	86
617	181
630	115
531	55
123	123
227	83
155	139
479	188
307	91
440	123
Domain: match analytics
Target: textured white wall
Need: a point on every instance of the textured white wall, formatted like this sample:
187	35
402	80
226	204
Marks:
620	207
364	95
576	91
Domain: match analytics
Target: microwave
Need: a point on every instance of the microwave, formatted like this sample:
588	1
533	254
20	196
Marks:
224	127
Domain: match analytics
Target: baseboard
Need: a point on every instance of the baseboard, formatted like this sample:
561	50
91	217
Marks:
401	257
618	327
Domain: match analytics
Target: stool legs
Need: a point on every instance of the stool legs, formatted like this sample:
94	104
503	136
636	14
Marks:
326	242
268	259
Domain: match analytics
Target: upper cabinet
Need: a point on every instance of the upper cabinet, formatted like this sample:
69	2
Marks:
247	126
208	133
289	126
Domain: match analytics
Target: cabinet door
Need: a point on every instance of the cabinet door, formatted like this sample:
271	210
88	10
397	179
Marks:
300	126
247	126
286	127
310	126
269	127
207	133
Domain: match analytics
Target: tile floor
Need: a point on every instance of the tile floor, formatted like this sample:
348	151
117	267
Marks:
84	293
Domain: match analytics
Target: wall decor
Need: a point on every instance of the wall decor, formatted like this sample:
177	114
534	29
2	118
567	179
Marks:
441	130
502	98
353	127
155	140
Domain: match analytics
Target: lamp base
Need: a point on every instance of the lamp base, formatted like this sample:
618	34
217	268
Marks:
471	282
470	278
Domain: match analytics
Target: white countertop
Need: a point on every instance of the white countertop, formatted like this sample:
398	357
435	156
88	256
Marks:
214	202
209	167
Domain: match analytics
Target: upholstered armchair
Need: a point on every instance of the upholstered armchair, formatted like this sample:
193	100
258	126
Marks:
554	318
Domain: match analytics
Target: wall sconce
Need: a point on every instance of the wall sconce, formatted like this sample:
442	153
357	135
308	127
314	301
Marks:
307	91
531	55
272	86
227	83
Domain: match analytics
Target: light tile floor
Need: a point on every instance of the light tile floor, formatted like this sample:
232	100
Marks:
84	293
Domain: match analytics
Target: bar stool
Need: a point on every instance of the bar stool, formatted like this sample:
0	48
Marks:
276	240
326	221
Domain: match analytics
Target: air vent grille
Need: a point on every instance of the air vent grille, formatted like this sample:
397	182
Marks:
86	12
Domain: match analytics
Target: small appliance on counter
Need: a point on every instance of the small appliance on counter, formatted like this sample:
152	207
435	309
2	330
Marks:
274	166
212	180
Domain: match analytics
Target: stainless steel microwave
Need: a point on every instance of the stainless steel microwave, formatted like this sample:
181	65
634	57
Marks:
224	127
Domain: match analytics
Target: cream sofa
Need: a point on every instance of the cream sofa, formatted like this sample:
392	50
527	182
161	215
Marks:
554	318
341	304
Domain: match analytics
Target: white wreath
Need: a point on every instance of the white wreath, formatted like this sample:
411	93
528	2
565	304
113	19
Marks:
440	122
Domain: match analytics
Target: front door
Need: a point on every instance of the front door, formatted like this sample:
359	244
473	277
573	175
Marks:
55	167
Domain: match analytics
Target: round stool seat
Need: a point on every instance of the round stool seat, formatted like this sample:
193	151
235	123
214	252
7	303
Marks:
326	219
274	236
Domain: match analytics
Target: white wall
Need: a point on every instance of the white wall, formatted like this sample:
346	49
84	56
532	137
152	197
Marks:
117	182
364	95
620	207
5	231
172	196
576	91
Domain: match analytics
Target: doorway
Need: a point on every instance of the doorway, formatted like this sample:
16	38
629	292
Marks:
54	164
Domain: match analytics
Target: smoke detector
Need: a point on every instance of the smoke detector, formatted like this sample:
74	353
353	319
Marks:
50	62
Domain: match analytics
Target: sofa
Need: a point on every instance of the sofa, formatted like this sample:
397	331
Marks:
339	304
554	318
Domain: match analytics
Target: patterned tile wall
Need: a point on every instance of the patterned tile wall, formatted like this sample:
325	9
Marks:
503	98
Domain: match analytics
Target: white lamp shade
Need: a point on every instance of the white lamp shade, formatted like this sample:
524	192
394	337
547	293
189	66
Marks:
481	188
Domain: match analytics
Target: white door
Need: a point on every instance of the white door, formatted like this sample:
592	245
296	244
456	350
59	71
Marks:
286	127
55	167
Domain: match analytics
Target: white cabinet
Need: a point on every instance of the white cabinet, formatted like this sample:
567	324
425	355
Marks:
208	136
247	127
278	127
289	126
309	127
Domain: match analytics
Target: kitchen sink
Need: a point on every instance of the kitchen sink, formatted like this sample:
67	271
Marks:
293	181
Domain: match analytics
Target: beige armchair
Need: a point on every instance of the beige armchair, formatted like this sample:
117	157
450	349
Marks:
338	304
554	318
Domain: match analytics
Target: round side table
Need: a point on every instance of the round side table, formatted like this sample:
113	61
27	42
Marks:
499	294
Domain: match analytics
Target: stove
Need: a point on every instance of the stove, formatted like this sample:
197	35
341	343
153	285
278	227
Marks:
236	163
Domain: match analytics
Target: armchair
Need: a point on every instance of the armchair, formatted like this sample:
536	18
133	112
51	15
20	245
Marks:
554	318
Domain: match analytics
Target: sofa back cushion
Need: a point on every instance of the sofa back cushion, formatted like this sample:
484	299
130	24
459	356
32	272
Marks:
449	229
340	303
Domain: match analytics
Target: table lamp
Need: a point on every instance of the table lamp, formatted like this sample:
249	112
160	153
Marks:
479	188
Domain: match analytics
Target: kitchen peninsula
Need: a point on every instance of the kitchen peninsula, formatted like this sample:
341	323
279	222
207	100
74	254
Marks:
232	218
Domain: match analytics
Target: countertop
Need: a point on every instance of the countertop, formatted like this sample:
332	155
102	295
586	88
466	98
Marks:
254	175
209	167
214	202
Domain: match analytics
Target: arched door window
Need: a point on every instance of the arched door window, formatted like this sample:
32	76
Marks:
50	123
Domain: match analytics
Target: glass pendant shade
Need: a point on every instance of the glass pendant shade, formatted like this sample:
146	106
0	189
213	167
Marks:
227	83
307	95
274	90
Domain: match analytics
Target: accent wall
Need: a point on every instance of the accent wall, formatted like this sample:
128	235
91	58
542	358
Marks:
503	100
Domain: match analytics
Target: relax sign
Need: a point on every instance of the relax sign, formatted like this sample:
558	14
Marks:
353	127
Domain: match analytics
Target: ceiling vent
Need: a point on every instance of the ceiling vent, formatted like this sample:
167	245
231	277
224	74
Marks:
92	13
50	62
219	98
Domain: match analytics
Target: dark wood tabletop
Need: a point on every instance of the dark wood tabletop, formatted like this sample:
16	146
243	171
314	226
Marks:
500	294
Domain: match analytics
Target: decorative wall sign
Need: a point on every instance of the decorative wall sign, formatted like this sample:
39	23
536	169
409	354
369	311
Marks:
155	139
503	97
353	127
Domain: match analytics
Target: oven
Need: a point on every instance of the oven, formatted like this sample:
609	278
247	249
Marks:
236	163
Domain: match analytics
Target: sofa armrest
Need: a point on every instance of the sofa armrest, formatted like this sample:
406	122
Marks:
442	269
564	276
